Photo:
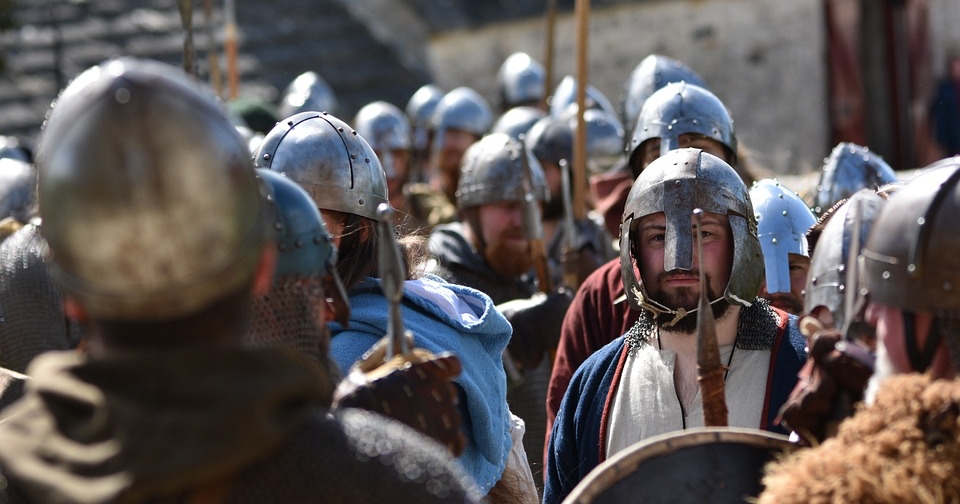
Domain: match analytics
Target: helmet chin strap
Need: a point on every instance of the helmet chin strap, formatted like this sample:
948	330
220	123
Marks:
678	313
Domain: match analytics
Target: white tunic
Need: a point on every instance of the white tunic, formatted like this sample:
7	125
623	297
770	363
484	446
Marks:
646	402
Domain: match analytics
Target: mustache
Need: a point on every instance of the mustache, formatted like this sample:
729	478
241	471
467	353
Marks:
676	274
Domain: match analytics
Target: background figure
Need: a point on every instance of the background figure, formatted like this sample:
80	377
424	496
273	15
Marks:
347	184
782	223
419	110
309	92
522	81
945	107
849	168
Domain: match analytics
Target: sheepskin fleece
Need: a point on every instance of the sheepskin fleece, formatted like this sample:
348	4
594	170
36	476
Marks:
903	448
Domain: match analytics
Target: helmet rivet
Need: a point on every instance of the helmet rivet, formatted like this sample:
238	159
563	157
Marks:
289	123
813	281
266	155
784	213
921	221
354	132
678	182
669	127
366	159
840	287
780	195
911	268
886	275
340	130
841	268
317	240
774	240
694	121
353	156
360	201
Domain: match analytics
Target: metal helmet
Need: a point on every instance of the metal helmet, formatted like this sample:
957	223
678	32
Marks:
551	139
517	121
386	129
420	111
829	274
676	184
329	159
681	108
604	140
462	109
308	92
18	185
521	80
911	258
850	168
565	98
306	279
652	73
493	170
782	223
304	245
137	230
15	148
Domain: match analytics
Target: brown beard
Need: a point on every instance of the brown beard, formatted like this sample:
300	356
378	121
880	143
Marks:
505	261
688	299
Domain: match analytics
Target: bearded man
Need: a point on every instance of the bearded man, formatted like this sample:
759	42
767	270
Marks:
644	383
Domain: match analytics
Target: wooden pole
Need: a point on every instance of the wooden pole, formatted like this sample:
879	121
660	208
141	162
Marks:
580	140
551	18
230	47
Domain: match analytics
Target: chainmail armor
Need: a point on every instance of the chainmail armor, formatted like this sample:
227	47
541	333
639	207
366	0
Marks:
31	319
756	330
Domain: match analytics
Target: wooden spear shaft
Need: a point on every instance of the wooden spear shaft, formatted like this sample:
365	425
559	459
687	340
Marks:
580	139
551	18
710	371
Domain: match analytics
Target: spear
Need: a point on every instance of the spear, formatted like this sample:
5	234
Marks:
230	47
548	51
580	140
212	59
392	275
186	21
710	371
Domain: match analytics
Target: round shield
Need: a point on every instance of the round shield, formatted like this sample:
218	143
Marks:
702	465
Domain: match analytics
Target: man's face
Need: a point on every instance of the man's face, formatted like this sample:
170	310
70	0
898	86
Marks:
888	322
399	160
507	249
791	302
454	144
681	288
650	150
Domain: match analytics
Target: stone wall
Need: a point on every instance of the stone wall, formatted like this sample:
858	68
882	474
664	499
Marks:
763	58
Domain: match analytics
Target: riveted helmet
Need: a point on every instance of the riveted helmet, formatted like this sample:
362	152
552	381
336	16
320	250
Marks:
910	260
521	80
386	129
493	170
676	184
782	223
652	73
326	157
303	242
828	276
680	108
551	140
517	121
850	168
308	93
420	110
565	98
18	185
137	230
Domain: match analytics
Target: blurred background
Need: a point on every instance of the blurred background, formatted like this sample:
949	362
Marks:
799	76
